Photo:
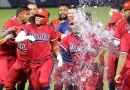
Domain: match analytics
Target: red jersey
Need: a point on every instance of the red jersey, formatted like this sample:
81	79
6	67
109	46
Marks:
55	22
77	48
22	50
41	47
121	29
125	48
9	47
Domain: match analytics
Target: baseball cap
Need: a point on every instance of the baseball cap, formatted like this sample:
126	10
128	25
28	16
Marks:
115	18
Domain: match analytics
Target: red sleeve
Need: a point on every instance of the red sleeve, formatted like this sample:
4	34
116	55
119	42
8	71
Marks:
53	34
124	47
59	34
55	23
7	25
64	43
117	34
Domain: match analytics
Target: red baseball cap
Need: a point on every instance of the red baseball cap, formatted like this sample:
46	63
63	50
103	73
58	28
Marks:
115	18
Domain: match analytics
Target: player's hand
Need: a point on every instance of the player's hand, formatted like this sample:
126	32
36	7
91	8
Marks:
117	78
116	42
14	28
97	60
31	38
3	40
60	61
100	24
95	67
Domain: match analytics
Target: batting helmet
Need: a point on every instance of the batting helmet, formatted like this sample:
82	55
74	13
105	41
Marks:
126	5
43	13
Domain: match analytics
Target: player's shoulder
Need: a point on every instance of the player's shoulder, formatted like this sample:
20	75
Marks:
122	22
7	24
48	26
68	37
10	21
65	23
55	21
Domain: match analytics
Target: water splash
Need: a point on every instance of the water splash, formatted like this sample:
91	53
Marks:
92	2
93	37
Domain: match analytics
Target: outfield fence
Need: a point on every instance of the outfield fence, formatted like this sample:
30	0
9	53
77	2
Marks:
54	3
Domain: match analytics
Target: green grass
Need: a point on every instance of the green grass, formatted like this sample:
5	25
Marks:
99	14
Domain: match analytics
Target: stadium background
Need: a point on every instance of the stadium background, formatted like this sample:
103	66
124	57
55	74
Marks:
7	10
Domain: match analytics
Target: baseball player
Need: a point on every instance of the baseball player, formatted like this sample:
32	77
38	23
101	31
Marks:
8	47
123	72
21	68
65	30
77	59
22	65
122	26
111	59
63	16
41	57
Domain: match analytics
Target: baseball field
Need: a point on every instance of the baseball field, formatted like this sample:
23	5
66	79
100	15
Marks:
98	13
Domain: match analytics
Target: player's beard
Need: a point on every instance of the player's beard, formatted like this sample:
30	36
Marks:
63	18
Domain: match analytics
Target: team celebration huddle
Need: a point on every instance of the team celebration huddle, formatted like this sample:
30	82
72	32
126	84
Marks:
72	51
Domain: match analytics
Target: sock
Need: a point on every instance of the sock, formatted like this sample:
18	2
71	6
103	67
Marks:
20	86
112	86
1	86
46	88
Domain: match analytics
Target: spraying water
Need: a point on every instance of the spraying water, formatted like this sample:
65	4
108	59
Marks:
93	35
